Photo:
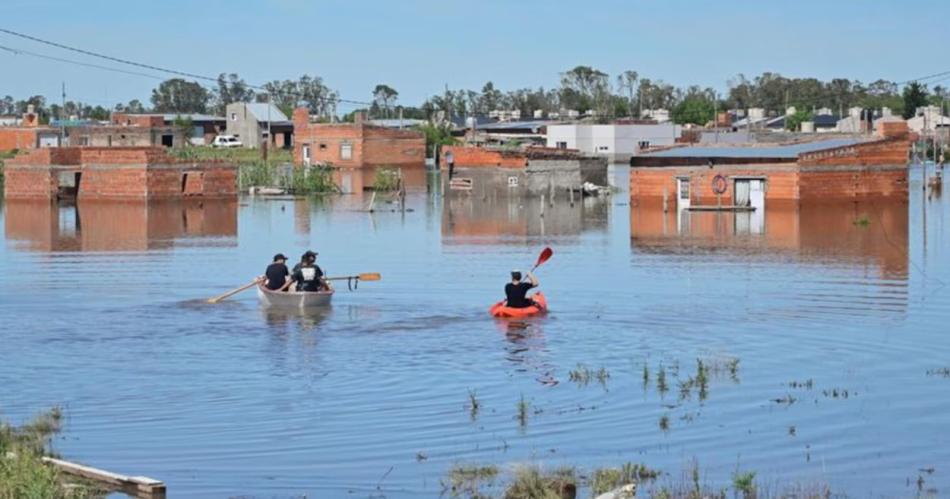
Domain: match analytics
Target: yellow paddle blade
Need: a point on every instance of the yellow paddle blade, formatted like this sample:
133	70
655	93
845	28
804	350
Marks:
370	276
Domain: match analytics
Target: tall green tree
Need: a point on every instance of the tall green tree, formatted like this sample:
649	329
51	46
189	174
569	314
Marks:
915	95
181	96
695	109
585	89
627	82
384	97
231	88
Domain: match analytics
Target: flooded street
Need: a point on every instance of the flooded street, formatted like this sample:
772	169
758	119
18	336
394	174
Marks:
823	329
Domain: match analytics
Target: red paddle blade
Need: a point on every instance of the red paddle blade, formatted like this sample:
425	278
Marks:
545	255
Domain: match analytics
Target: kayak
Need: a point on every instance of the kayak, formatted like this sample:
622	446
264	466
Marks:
293	299
541	306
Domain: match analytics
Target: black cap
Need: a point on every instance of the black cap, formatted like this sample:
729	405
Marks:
280	256
516	275
310	254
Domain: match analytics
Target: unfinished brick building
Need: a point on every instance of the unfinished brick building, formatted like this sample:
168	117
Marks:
28	134
829	170
115	173
355	145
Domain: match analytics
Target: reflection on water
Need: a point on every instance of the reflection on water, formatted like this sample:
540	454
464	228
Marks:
469	220
233	400
873	232
118	225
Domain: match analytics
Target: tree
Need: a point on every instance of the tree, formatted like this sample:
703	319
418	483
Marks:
915	95
695	109
183	127
308	91
231	88
628	81
181	96
384	97
794	122
585	89
490	98
98	113
7	105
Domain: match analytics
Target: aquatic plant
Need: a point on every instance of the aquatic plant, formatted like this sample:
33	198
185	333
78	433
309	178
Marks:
862	221
606	479
744	483
665	422
661	381
386	180
646	376
530	482
313	180
940	371
22	470
523	407
469	480
473	404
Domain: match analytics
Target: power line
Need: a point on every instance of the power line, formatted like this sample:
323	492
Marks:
162	69
16	51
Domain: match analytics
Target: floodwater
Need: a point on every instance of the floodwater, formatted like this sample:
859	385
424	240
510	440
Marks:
823	330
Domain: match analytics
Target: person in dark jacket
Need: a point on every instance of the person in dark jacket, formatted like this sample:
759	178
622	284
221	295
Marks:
516	291
308	275
276	274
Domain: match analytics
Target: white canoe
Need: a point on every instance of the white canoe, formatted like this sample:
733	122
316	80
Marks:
293	299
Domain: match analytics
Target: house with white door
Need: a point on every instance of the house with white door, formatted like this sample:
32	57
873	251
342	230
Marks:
616	142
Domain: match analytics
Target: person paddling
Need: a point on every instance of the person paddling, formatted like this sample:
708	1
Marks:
308	275
516	291
276	274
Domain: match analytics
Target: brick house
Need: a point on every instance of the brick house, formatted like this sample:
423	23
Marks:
115	173
355	145
27	133
750	177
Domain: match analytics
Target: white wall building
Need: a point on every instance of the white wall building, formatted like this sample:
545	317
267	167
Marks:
927	119
616	142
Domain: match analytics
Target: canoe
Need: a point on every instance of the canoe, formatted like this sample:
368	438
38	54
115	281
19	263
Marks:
541	306
293	299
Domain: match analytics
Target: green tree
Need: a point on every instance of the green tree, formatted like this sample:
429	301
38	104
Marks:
98	113
309	91
585	89
794	122
384	97
915	95
694	109
231	88
627	81
180	96
183	127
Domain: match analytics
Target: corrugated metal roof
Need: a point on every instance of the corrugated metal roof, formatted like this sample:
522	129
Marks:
259	110
193	116
786	151
515	125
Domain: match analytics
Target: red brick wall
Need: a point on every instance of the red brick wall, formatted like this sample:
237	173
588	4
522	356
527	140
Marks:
144	120
371	146
101	182
386	150
29	182
882	152
842	183
325	143
474	157
649	183
17	138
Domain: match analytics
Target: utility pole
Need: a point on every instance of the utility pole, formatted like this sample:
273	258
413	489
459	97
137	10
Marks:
62	119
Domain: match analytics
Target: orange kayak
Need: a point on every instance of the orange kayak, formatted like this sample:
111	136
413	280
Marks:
540	306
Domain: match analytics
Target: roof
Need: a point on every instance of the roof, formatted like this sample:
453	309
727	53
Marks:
260	111
192	116
526	126
396	123
788	151
825	120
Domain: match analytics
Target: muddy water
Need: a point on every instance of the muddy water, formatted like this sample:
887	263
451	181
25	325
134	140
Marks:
834	323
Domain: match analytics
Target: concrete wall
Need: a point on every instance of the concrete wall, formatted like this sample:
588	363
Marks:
615	142
243	124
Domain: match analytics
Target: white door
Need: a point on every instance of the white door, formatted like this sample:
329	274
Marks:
757	201
682	193
306	154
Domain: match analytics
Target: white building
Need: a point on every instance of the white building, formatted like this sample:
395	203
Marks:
927	119
658	115
616	142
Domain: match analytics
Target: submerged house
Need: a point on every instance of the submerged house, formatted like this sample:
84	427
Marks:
355	145
258	123
114	173
533	171
750	177
616	142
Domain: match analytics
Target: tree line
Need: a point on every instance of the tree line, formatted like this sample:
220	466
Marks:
584	89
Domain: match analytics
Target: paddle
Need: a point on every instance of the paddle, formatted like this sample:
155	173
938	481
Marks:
368	276
235	291
545	255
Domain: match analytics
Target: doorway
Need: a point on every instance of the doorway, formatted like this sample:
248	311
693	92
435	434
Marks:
750	193
306	155
682	193
168	140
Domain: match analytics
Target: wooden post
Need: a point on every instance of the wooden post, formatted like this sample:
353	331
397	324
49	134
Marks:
570	191
664	200
136	486
542	205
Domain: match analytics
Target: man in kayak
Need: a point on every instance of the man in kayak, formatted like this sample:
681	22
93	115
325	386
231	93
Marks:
276	273
308	275
516	291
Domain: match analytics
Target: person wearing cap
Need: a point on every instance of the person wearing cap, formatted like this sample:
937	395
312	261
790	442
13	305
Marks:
308	275
516	291
276	273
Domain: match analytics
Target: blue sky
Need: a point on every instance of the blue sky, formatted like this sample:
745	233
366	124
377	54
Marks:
420	46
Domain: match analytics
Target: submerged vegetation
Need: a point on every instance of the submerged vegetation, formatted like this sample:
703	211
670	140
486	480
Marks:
3	156
386	180
276	171
22	470
582	375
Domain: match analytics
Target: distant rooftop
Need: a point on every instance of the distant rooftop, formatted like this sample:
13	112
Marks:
265	112
788	151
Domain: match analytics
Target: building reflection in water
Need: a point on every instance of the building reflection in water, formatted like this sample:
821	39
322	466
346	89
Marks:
515	220
119	225
867	232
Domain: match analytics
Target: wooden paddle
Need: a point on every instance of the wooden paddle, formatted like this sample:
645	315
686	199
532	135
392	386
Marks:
235	291
368	276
